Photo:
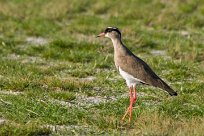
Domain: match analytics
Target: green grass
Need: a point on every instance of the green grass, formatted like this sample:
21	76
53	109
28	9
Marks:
56	78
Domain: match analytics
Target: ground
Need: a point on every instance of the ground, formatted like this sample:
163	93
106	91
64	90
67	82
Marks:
56	78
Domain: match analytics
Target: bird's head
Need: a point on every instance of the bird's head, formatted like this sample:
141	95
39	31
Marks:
111	32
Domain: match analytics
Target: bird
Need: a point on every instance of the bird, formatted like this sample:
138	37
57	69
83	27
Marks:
133	69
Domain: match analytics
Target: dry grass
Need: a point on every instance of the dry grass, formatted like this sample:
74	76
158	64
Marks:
155	124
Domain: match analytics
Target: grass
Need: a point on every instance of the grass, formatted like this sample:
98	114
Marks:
56	78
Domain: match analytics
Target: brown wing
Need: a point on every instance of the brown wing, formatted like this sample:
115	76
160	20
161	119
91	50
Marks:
140	70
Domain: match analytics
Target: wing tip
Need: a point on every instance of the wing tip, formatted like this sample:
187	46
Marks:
174	94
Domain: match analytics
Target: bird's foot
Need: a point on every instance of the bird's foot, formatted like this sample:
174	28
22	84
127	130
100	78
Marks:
129	110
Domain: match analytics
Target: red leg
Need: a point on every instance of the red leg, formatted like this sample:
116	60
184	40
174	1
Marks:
128	109
132	101
133	98
131	104
135	94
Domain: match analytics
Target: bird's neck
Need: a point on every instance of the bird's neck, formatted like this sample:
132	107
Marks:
117	43
119	50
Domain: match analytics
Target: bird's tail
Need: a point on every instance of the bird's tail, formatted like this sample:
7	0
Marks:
166	87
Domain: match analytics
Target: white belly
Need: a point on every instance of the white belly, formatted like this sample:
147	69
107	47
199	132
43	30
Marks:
130	80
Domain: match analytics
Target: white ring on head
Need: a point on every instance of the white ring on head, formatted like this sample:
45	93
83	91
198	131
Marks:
112	27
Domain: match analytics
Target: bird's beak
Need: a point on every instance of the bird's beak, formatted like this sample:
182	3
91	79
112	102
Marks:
101	35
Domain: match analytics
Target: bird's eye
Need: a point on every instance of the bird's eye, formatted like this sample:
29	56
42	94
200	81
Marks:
109	30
